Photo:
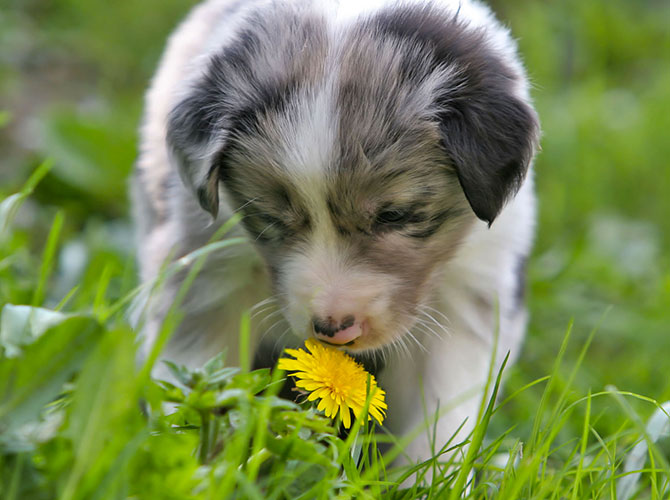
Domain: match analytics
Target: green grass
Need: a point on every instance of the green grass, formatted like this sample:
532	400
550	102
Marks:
577	411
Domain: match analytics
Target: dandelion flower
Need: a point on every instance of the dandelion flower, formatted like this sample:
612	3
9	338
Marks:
336	379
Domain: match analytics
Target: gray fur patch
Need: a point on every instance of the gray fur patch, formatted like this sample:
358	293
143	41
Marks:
488	134
257	75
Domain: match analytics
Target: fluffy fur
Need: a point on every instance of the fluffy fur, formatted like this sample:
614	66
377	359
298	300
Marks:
378	153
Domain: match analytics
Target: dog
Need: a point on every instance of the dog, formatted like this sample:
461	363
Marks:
378	156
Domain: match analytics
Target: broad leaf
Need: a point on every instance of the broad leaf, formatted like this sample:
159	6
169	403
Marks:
45	350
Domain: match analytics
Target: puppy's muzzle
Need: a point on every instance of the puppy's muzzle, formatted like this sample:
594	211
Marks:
338	332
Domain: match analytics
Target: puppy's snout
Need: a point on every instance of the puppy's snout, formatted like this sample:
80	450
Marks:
336	331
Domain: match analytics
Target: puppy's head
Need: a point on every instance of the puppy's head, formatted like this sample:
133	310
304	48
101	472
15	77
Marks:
359	157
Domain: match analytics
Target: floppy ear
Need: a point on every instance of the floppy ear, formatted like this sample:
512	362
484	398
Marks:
487	132
490	137
196	133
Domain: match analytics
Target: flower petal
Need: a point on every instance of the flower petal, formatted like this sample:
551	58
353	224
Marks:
345	415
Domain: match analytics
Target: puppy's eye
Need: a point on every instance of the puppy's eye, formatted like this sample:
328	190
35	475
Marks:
393	218
264	227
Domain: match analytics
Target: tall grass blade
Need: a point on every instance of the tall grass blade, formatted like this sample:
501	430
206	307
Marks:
10	205
48	257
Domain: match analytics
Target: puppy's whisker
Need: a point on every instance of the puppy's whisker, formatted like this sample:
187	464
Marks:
416	341
270	316
435	311
259	308
263	302
263	311
383	352
396	346
426	332
277	315
402	348
268	331
441	326
406	347
249	202
427	314
428	329
278	342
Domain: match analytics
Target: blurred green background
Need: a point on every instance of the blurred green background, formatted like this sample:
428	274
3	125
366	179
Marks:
72	75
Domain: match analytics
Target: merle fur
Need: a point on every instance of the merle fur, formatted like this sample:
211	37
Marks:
488	133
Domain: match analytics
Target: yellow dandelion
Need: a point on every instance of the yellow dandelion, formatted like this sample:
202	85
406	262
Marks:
336	379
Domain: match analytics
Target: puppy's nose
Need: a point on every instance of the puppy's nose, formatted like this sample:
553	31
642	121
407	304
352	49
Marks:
336	332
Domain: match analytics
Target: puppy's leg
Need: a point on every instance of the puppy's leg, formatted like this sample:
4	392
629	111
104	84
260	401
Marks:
231	281
447	378
447	382
208	317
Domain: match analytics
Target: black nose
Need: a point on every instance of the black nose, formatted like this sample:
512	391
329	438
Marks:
329	326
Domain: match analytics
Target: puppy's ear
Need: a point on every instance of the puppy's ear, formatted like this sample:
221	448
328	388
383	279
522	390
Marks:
196	134
487	131
490	137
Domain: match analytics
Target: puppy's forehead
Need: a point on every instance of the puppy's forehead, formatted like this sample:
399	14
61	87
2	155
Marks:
350	110
345	134
321	159
309	149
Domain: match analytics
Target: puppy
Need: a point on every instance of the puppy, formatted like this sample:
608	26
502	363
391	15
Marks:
378	155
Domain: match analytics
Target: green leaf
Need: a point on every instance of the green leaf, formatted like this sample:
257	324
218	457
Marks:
277	403
254	381
215	364
22	325
179	372
222	376
231	397
297	449
47	349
